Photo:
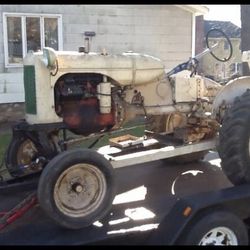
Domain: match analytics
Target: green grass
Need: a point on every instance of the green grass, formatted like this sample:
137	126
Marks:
139	131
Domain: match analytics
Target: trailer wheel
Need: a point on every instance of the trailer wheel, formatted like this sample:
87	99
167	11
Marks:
215	227
234	141
21	151
77	188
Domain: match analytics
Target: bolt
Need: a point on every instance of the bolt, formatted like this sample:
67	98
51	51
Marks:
78	188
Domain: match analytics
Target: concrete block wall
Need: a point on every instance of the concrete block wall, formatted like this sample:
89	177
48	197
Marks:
11	86
163	31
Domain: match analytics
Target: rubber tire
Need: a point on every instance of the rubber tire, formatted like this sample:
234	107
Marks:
10	158
188	158
212	218
54	169
234	138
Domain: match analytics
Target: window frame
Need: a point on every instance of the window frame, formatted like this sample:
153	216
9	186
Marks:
23	27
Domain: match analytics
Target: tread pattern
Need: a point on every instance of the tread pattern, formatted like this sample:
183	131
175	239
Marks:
234	138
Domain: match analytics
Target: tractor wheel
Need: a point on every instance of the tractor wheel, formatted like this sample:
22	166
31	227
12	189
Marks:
234	141
156	123
77	188
215	227
21	152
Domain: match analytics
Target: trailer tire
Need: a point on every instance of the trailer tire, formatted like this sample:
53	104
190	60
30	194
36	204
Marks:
234	141
77	188
215	227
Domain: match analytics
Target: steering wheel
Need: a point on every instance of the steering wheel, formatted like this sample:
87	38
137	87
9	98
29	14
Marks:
220	34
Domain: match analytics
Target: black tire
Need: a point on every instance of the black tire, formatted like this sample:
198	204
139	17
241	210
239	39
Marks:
55	175
188	158
12	161
234	138
220	222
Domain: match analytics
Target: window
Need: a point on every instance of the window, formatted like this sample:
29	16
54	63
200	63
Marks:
24	32
235	68
226	45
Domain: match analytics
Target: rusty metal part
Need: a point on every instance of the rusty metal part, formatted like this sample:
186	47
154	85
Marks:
83	117
26	152
197	129
175	120
79	190
222	110
137	99
188	134
212	88
156	123
166	123
196	132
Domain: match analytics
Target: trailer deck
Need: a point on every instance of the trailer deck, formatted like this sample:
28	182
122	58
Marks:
138	150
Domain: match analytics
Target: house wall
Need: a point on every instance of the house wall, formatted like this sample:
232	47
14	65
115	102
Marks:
163	31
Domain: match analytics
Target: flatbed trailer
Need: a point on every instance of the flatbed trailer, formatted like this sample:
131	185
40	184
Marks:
146	150
224	213
168	228
175	225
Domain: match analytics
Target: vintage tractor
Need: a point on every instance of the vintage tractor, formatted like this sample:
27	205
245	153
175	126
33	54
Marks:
97	93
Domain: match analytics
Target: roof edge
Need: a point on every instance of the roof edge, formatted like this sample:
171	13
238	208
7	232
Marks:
197	9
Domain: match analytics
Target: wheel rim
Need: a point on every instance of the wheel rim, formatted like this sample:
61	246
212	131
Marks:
26	152
80	190
219	236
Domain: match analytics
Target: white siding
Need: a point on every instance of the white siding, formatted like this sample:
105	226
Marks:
11	87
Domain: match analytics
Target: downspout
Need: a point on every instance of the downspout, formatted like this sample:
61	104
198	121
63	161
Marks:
193	34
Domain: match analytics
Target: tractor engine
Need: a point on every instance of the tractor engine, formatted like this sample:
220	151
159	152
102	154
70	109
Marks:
84	102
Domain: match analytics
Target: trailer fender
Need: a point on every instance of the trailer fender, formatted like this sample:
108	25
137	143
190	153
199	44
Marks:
227	95
186	210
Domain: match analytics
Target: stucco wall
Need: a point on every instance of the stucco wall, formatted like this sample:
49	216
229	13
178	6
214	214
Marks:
163	31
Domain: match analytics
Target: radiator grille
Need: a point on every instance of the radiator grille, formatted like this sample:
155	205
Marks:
30	89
